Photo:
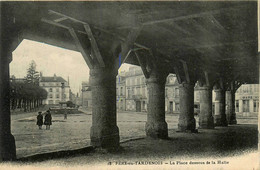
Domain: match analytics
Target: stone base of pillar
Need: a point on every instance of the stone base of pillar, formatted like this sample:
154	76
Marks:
105	137
233	120
220	120
7	148
206	123
156	130
186	125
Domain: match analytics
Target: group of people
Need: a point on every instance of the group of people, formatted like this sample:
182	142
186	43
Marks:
47	120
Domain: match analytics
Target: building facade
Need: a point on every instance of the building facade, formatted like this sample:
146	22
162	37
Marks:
172	97
136	90
131	94
57	88
86	96
247	99
121	91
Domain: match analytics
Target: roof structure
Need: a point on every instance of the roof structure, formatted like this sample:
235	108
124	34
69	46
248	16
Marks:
52	79
218	36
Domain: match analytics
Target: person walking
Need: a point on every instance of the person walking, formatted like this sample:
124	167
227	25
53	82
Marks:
39	120
47	120
65	113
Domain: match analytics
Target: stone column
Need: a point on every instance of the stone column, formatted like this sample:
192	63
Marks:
232	118
220	116
228	105
156	127
186	117
206	120
7	141
104	132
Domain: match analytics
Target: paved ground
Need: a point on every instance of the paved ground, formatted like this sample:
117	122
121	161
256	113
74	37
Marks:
74	132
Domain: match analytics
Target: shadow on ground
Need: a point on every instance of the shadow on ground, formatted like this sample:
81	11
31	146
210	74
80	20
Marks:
219	142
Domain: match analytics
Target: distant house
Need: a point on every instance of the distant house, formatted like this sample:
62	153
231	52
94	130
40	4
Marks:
57	87
86	95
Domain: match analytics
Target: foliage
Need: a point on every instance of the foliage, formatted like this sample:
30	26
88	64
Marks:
32	76
22	90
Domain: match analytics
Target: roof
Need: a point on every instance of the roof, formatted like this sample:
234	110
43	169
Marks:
51	79
217	36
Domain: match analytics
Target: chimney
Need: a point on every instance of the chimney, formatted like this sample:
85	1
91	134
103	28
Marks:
55	77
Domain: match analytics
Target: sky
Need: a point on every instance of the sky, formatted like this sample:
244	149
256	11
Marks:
51	60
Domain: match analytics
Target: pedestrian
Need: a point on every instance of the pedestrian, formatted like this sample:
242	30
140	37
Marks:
39	120
47	120
65	113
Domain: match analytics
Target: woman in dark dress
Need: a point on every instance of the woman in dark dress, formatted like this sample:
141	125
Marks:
40	120
47	120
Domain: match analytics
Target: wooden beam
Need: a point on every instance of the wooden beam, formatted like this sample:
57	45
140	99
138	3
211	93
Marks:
126	56
180	18
128	44
60	19
54	23
216	23
101	29
94	46
177	74
143	66
186	71
207	78
85	53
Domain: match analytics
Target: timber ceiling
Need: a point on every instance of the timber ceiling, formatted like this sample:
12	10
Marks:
220	37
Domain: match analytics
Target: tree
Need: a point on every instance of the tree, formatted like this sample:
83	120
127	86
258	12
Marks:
32	76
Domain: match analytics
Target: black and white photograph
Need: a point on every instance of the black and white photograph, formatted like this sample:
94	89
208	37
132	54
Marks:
129	84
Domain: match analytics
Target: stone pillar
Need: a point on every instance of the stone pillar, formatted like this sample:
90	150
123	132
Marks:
104	132
228	105
156	127
220	116
7	141
186	117
206	120
232	118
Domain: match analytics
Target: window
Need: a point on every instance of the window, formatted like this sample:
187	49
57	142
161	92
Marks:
138	81
143	91
245	105
138	91
176	92
177	107
50	101
43	84
50	90
143	80
166	92
57	96
133	81
50	96
121	91
133	91
256	105
129	93
237	106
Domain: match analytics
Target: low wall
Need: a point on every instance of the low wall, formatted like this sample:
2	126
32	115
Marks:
62	110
